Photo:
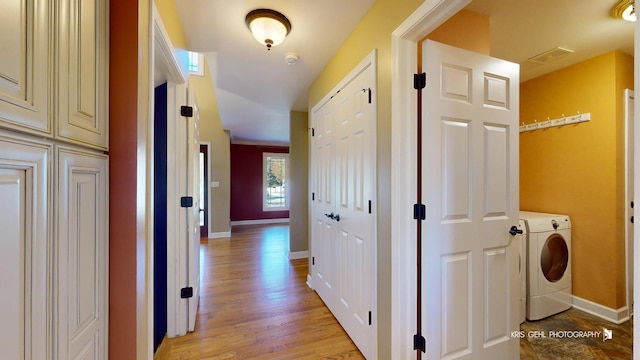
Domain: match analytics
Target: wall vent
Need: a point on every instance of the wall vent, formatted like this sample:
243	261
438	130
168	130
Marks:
551	55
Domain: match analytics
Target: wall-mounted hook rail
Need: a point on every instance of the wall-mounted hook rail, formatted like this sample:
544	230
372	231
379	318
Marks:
565	120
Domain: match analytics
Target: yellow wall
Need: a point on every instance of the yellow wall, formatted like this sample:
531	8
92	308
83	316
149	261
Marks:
169	15
579	169
211	131
466	30
210	125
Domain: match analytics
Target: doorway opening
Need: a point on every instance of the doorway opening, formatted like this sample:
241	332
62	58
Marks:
204	190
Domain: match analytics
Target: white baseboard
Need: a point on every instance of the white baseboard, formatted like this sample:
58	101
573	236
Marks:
310	282
260	222
299	255
217	235
615	316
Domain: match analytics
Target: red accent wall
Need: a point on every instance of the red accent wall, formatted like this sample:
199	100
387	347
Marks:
246	182
123	117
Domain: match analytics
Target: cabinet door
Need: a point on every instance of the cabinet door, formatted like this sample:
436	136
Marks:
81	84
81	248
25	264
24	66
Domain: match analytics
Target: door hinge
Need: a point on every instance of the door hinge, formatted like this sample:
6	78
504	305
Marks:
419	211
369	93
313	196
186	111
419	342
369	206
313	260
186	293
186	201
313	132
369	317
420	81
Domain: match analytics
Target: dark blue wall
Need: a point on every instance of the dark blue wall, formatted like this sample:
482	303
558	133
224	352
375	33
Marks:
160	219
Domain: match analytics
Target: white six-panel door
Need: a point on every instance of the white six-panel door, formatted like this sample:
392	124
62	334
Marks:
343	209
183	242
470	162
193	216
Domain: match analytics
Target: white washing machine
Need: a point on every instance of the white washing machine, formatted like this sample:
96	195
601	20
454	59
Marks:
548	265
522	269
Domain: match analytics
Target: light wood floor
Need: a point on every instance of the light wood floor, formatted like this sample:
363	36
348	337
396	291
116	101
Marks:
255	304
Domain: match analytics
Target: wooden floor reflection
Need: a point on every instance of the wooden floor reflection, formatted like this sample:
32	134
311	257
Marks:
255	304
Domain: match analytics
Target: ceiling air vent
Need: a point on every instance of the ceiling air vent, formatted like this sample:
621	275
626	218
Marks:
551	55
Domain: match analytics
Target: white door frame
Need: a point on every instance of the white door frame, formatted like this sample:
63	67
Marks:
404	43
430	15
167	63
629	238
636	183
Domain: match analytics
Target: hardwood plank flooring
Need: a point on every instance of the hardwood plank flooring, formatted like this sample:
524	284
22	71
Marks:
255	304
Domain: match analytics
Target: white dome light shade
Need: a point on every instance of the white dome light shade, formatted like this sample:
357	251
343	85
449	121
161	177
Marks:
269	27
625	10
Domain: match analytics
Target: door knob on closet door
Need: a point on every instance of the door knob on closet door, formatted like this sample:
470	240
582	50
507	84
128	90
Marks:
337	217
330	216
514	230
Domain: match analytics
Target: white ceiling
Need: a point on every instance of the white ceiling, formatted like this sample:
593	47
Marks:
256	90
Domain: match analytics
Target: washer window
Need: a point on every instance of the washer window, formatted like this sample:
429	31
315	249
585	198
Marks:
554	258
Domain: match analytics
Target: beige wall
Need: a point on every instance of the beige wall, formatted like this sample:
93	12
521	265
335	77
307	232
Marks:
579	169
210	126
220	162
299	169
374	32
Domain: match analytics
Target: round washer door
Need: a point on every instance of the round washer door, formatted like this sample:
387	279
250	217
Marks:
554	258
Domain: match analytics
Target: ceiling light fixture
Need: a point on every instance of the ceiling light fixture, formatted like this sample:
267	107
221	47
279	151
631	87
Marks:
269	27
625	9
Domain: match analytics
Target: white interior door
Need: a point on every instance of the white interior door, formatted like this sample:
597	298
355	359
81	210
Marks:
470	162
629	207
343	211
324	246
183	234
193	216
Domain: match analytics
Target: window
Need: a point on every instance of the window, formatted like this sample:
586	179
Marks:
275	173
196	63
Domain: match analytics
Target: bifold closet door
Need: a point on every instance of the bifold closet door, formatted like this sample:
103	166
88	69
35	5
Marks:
343	205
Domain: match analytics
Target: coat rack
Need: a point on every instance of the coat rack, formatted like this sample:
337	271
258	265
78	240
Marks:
565	120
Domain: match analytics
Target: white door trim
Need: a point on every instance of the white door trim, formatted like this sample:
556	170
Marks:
629	238
636	183
165	60
430	15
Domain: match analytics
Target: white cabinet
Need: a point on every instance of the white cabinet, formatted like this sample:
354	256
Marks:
55	56
25	260
82	76
25	76
53	179
81	282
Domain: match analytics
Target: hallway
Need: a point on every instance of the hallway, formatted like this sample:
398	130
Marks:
255	304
